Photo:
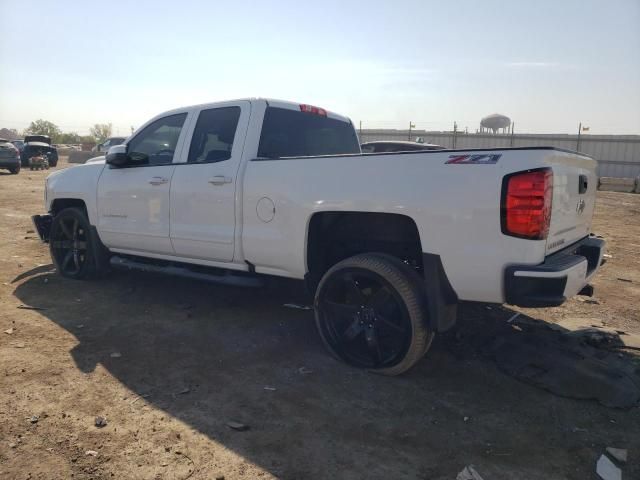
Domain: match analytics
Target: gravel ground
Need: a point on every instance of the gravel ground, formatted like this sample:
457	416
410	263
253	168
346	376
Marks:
170	362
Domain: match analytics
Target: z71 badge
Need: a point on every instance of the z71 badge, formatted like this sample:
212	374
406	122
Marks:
478	159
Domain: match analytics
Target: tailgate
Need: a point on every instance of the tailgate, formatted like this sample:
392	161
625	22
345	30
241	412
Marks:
574	193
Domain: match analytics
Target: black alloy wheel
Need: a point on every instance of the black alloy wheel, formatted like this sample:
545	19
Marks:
69	244
370	313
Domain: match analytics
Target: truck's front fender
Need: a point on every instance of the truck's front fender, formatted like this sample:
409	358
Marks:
80	183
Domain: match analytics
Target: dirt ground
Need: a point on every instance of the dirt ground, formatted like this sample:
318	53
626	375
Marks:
169	362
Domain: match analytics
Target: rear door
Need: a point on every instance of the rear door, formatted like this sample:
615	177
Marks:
133	201
203	190
574	194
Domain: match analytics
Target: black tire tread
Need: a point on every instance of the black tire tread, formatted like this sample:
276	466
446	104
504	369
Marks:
97	262
409	285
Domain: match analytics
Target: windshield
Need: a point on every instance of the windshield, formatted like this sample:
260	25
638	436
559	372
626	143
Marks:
289	133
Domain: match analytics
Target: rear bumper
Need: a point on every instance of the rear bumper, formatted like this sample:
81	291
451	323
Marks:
9	162
43	226
561	276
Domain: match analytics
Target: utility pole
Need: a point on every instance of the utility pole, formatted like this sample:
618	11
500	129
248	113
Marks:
579	132
513	124
411	125
360	131
455	132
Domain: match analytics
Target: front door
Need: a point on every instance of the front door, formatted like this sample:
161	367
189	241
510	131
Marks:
133	201
203	189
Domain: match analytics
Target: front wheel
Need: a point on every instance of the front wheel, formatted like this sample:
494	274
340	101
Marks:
74	250
370	313
15	170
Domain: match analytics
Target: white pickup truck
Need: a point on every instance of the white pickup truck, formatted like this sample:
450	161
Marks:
387	243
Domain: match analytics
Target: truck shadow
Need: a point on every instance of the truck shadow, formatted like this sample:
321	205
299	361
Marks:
208	355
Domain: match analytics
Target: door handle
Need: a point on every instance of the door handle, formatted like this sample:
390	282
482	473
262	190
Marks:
158	180
220	180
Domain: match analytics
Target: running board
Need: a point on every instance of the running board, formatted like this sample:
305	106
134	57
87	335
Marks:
226	277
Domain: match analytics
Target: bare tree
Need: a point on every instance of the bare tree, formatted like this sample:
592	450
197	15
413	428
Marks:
101	131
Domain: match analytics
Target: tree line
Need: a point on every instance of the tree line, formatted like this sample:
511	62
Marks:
97	133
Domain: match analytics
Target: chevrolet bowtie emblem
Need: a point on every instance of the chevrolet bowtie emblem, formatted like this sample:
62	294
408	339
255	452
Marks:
580	207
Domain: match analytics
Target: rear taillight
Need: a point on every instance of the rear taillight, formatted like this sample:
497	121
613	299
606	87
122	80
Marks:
526	204
314	110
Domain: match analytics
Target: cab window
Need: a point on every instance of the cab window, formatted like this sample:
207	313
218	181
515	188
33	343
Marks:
156	143
290	133
214	134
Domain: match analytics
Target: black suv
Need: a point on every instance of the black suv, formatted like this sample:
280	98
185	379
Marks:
9	156
35	145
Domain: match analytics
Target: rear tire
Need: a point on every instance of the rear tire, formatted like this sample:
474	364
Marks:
75	249
15	171
371	313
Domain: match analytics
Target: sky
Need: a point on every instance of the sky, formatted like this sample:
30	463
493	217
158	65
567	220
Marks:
548	65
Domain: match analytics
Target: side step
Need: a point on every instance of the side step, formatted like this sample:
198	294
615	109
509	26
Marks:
215	275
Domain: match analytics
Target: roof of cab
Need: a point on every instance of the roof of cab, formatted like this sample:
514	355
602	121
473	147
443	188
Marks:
269	101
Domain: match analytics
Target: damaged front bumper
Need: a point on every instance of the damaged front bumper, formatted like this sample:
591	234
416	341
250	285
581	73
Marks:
43	226
561	276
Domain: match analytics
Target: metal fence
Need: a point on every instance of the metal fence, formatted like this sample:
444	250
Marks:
617	155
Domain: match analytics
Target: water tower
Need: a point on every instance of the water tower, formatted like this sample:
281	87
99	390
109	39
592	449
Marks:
495	122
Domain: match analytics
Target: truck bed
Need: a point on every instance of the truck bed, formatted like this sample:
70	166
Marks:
457	207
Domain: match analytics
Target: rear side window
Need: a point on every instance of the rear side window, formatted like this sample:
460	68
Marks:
213	136
289	133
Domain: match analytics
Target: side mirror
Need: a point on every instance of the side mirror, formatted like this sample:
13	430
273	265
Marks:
117	156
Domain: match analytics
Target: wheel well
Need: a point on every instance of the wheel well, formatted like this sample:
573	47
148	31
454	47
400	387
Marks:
60	204
334	236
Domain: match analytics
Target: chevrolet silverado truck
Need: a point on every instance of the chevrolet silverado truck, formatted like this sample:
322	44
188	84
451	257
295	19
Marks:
388	243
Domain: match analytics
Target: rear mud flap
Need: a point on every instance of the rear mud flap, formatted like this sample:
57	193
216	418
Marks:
442	301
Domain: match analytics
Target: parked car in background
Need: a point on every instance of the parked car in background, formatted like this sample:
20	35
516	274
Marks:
19	144
108	143
37	145
9	156
388	146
